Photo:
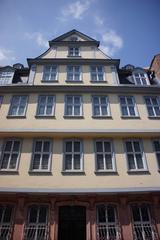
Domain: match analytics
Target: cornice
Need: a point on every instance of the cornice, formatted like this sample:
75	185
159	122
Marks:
76	43
73	61
119	89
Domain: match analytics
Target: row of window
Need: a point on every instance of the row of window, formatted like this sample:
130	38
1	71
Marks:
73	155
74	106
107	222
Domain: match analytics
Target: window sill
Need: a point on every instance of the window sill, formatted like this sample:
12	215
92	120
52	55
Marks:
39	172
70	56
73	172
154	117
74	81
111	172
9	172
102	117
101	81
75	117
130	117
45	116
10	116
138	172
49	81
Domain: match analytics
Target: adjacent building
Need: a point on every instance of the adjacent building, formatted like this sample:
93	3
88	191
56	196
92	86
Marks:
80	146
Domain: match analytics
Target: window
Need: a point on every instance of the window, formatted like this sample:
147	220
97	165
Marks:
73	106
18	106
74	38
156	144
1	100
73	52
50	73
11	154
135	155
97	73
6	77
6	213
41	158
73	155
100	106
140	77
36	226
105	159
46	105
153	106
128	106
107	226
143	227
74	73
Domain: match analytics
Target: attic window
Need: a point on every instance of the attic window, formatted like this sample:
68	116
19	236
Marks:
74	38
140	77
6	77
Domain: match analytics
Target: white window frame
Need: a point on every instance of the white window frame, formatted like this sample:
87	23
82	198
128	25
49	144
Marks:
46	105
127	106
157	152
11	152
73	105
50	73
136	169
152	106
97	75
6	77
139	72
112	153
18	105
100	105
41	155
7	227
73	73
35	227
108	227
72	53
73	153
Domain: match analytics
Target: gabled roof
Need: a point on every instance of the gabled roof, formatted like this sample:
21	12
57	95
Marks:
74	31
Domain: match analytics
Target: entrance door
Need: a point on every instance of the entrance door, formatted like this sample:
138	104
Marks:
72	223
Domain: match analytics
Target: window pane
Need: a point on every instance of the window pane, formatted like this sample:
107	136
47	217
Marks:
131	162
45	161
68	161
129	147
68	146
96	110
144	212
77	161
16	146
77	100
38	146
13	161
96	100
77	110
132	111
107	146
157	111
33	215
76	146
139	161
21	110
104	111
5	161
108	159
41	110
137	146
69	110
49	110
7	214
136	214
42	215
8	146
150	111
36	161
124	111
148	101
46	146
122	100
111	214
103	100
157	145
42	100
99	146
101	214
130	101
100	162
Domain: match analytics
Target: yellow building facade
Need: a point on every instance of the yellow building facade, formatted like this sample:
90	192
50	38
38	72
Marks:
80	146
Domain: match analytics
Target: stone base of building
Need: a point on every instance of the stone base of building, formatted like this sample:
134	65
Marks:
80	216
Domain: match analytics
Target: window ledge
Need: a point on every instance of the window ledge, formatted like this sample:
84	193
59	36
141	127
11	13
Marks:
45	116
76	117
73	172
74	81
10	116
154	117
39	172
138	172
102	117
70	56
130	117
49	81
101	81
9	172
111	172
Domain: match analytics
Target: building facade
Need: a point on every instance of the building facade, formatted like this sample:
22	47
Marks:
80	146
155	66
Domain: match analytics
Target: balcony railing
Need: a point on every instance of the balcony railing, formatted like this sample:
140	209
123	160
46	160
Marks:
5	231
36	232
108	232
145	231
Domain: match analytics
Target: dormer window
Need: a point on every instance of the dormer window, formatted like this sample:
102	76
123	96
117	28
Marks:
140	77
73	52
6	77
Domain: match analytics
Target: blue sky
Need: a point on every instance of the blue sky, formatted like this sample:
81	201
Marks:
127	29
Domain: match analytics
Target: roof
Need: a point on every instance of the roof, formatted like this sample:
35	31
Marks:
74	31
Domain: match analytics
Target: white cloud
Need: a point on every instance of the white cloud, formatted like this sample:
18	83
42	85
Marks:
6	56
76	9
111	42
98	20
38	37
